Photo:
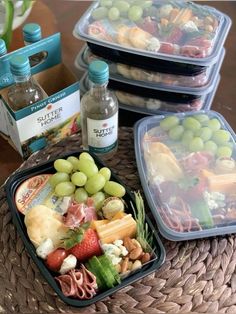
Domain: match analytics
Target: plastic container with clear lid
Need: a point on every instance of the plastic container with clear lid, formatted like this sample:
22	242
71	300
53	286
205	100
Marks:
176	31
150	102
152	79
187	167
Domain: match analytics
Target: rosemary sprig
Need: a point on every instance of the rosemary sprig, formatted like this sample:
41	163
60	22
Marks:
144	236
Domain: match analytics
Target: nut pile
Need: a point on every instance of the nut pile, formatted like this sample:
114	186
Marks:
135	257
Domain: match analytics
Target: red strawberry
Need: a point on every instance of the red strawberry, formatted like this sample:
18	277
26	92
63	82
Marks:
87	244
175	36
167	48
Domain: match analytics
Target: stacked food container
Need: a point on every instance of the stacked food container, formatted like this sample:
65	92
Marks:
187	168
164	56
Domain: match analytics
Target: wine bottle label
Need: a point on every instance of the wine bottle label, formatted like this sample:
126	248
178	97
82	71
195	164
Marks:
102	134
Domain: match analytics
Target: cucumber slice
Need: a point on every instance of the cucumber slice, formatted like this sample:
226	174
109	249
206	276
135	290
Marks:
89	266
107	264
7	31
105	273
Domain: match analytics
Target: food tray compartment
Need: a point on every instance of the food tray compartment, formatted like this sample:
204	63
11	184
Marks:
170	30
18	219
202	83
189	183
148	105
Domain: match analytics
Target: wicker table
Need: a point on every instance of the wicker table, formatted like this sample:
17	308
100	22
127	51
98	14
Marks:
197	277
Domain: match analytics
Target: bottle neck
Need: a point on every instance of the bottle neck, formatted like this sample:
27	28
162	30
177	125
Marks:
98	90
22	79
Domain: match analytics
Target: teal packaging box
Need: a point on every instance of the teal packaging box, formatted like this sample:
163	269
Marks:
51	119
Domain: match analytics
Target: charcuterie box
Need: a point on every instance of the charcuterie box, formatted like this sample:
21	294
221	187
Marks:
51	119
201	83
186	163
150	102
119	244
181	32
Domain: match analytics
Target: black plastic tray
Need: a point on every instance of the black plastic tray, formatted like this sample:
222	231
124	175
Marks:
18	219
146	63
173	97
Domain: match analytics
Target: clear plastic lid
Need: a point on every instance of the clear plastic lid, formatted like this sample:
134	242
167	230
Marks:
166	102
200	83
170	30
187	167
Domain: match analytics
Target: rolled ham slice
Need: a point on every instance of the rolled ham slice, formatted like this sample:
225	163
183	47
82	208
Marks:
68	285
79	284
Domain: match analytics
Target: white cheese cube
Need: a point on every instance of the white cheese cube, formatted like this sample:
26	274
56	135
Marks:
45	248
69	263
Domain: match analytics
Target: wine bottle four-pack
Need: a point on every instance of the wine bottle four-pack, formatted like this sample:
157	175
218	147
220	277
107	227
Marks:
53	117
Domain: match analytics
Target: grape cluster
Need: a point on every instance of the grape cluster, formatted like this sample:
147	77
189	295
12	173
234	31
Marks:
199	133
82	178
116	9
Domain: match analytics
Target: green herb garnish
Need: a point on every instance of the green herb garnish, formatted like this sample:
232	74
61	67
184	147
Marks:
144	236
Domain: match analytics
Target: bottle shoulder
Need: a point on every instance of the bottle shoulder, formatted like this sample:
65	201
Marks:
23	95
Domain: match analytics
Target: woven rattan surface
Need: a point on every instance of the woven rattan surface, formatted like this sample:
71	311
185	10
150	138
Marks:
197	276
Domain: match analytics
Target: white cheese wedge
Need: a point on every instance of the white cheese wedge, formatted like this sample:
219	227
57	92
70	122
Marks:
69	263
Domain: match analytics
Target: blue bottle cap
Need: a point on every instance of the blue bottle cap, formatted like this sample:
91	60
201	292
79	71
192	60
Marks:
19	65
98	72
3	48
32	32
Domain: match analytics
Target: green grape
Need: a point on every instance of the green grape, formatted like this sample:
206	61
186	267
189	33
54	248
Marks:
98	199
187	137
145	4
214	124
106	172
74	161
229	144
58	177
86	156
169	122
135	13
122	6
106	3
224	151
210	146
64	189
196	144
62	165
99	13
95	183
176	132
114	189
202	118
113	14
81	195
191	124
221	137
205	133
88	167
78	178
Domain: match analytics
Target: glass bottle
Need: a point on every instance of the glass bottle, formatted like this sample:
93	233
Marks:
25	91
99	112
32	34
3	48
